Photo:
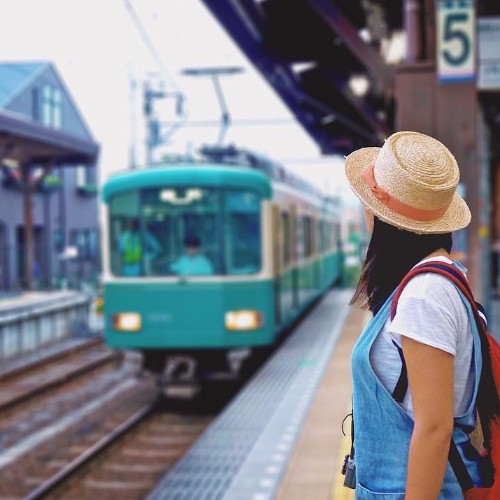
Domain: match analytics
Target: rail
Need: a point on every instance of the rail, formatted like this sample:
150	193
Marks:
90	453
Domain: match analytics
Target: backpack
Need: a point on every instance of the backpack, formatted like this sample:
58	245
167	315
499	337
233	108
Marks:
488	422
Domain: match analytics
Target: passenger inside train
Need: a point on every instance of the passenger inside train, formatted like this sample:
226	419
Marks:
131	248
192	261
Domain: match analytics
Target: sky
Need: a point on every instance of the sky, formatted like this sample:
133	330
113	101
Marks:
104	60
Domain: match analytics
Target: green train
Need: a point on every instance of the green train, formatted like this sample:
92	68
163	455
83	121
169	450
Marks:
208	260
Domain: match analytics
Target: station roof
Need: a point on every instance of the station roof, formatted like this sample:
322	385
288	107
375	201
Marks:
15	77
313	52
22	140
332	62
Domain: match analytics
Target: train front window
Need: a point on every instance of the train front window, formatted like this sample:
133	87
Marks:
193	231
242	234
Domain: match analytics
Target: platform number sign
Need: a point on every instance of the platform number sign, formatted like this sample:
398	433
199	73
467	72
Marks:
456	40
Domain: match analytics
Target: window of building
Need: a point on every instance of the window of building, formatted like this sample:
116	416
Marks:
58	241
86	241
35	104
51	107
81	176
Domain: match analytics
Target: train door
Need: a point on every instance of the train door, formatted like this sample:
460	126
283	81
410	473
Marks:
295	263
277	262
316	248
287	269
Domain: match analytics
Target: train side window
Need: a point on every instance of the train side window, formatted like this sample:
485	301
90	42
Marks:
285	224
307	236
300	237
331	236
338	236
322	235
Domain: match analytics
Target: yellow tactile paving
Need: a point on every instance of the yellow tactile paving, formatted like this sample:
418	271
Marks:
313	471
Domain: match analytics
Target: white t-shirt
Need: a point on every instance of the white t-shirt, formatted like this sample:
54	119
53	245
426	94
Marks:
430	310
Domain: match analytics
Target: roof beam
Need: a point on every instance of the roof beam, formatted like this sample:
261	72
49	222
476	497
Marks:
14	128
245	26
246	34
359	104
369	57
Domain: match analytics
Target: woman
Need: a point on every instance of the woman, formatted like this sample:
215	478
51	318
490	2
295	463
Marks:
411	208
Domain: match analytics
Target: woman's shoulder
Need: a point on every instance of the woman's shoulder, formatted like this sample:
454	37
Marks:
431	287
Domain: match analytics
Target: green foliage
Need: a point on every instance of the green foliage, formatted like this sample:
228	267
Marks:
87	190
351	276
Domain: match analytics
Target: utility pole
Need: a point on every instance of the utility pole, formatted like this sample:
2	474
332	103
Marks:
152	122
133	121
155	136
214	74
29	187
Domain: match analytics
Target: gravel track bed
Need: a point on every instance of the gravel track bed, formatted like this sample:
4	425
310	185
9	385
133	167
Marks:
41	462
47	376
42	410
131	467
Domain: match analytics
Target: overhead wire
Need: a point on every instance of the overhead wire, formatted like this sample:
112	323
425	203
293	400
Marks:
150	45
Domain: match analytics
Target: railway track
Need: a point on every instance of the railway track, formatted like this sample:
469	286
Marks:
101	436
129	460
26	382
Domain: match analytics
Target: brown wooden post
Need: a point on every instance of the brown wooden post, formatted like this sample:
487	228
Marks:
450	113
412	22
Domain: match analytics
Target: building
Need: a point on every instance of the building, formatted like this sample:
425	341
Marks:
48	191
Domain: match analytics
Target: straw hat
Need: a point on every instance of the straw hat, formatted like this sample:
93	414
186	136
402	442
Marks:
410	183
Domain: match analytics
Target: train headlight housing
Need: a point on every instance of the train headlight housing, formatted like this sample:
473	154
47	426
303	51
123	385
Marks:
243	320
127	322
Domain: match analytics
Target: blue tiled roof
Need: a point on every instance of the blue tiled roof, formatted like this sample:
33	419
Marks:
13	76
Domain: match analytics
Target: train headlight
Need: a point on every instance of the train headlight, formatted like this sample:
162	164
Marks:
243	320
127	322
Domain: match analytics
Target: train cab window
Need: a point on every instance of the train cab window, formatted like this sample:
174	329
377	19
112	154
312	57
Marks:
242	238
123	222
180	231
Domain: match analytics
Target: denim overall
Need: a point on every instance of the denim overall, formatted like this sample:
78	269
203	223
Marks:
383	430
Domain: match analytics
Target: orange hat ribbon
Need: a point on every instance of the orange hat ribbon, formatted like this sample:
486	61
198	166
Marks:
395	205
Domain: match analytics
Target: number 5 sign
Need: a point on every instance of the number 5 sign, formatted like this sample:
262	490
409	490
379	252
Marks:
456	40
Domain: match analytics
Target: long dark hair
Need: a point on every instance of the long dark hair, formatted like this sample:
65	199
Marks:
391	253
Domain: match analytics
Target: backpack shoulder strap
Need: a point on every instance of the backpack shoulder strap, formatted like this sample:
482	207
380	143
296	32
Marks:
454	275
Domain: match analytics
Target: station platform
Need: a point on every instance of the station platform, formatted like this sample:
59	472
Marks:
23	301
32	321
281	437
